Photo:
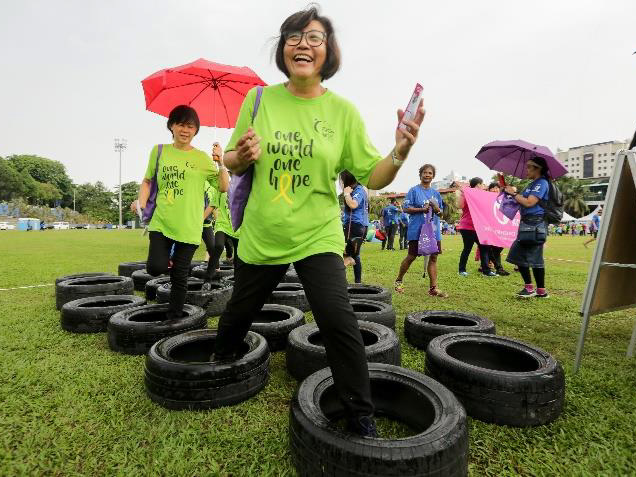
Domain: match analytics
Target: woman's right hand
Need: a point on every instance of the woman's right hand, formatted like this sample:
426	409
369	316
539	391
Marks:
248	148
133	206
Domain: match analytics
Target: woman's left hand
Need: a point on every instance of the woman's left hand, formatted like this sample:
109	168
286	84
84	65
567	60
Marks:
217	152
405	138
347	190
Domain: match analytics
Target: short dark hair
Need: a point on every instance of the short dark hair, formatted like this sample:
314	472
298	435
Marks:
347	178
492	185
427	166
298	21
183	114
475	181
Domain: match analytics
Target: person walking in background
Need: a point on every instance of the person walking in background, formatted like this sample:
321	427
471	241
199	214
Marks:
469	235
419	200
596	225
494	252
403	223
293	215
181	172
207	235
355	221
527	251
390	223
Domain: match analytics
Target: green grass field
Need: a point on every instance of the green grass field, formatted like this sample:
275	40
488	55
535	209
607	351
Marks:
70	406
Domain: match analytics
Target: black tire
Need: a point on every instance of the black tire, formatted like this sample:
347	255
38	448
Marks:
197	263
290	294
228	262
422	326
213	301
229	279
126	269
291	276
358	291
141	277
135	330
82	275
90	315
275	322
438	446
179	374
499	380
77	288
306	353
374	312
202	270
152	285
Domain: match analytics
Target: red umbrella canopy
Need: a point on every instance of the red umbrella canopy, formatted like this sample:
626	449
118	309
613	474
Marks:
214	90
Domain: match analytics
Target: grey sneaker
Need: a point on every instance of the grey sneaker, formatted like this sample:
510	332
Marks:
525	293
463	274
363	426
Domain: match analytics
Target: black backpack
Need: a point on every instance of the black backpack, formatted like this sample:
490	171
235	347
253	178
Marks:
553	207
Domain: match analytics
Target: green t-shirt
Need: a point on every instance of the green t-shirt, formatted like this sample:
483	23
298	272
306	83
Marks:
223	219
181	180
293	210
210	194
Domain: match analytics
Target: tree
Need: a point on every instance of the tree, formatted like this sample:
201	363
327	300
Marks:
12	182
47	193
129	192
573	196
96	201
45	171
451	212
376	204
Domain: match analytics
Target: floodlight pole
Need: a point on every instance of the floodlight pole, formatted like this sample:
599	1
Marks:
120	145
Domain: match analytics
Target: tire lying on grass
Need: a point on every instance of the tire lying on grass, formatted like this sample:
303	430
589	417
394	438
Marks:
213	301
290	275
77	288
90	315
141	277
422	326
275	322
201	271
78	275
306	352
126	269
135	330
152	285
497	379
290	294
180	375
358	291
436	446
374	312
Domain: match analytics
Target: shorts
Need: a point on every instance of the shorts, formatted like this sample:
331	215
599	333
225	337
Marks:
413	248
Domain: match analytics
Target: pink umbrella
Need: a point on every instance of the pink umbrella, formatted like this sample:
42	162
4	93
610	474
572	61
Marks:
214	90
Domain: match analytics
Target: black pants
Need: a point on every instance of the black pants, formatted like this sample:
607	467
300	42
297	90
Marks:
403	231
323	278
220	240
230	246
470	237
390	235
208	239
158	263
539	276
494	253
355	236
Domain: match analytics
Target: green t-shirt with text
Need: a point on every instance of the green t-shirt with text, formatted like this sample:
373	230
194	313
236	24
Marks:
293	209
210	201
223	219
181	180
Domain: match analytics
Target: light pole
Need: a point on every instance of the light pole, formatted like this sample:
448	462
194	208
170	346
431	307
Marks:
120	145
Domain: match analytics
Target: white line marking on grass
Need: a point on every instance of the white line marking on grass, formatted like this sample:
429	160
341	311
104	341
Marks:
566	260
28	286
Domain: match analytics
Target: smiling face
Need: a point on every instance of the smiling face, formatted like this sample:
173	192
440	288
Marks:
427	175
304	61
183	133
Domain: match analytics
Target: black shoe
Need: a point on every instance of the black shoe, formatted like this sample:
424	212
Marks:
502	272
424	275
363	426
525	293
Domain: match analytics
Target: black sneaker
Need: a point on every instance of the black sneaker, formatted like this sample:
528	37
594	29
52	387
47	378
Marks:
502	272
542	295
525	293
363	426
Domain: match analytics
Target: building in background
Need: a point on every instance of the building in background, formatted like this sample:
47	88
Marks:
446	182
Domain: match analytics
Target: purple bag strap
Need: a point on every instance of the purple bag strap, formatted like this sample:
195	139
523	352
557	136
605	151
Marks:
159	149
257	102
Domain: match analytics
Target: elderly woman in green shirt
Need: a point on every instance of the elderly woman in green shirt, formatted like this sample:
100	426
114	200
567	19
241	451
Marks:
303	135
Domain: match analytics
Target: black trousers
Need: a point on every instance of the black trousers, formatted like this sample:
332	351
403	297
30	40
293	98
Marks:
158	262
323	278
358	233
220	240
494	253
469	238
230	246
208	239
390	231
403	231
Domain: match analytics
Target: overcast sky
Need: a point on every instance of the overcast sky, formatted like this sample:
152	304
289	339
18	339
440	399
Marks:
557	73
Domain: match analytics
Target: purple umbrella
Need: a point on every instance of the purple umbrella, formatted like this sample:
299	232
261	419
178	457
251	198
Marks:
510	157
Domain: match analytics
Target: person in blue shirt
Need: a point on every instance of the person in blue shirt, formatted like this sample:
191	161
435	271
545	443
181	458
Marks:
419	201
355	221
390	223
596	224
403	225
529	254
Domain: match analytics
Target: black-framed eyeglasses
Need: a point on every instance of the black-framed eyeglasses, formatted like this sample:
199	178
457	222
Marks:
314	37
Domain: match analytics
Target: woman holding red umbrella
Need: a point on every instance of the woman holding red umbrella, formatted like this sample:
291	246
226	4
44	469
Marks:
181	171
306	136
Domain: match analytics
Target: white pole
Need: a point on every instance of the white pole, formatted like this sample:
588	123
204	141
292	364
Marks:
120	145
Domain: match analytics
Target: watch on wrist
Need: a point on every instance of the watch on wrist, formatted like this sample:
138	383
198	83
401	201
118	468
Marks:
394	158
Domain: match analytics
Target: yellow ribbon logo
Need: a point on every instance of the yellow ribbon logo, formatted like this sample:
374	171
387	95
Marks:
285	184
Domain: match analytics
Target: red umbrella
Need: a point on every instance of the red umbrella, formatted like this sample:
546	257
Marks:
214	90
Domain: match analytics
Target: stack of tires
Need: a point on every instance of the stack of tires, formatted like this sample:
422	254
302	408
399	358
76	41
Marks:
213	301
